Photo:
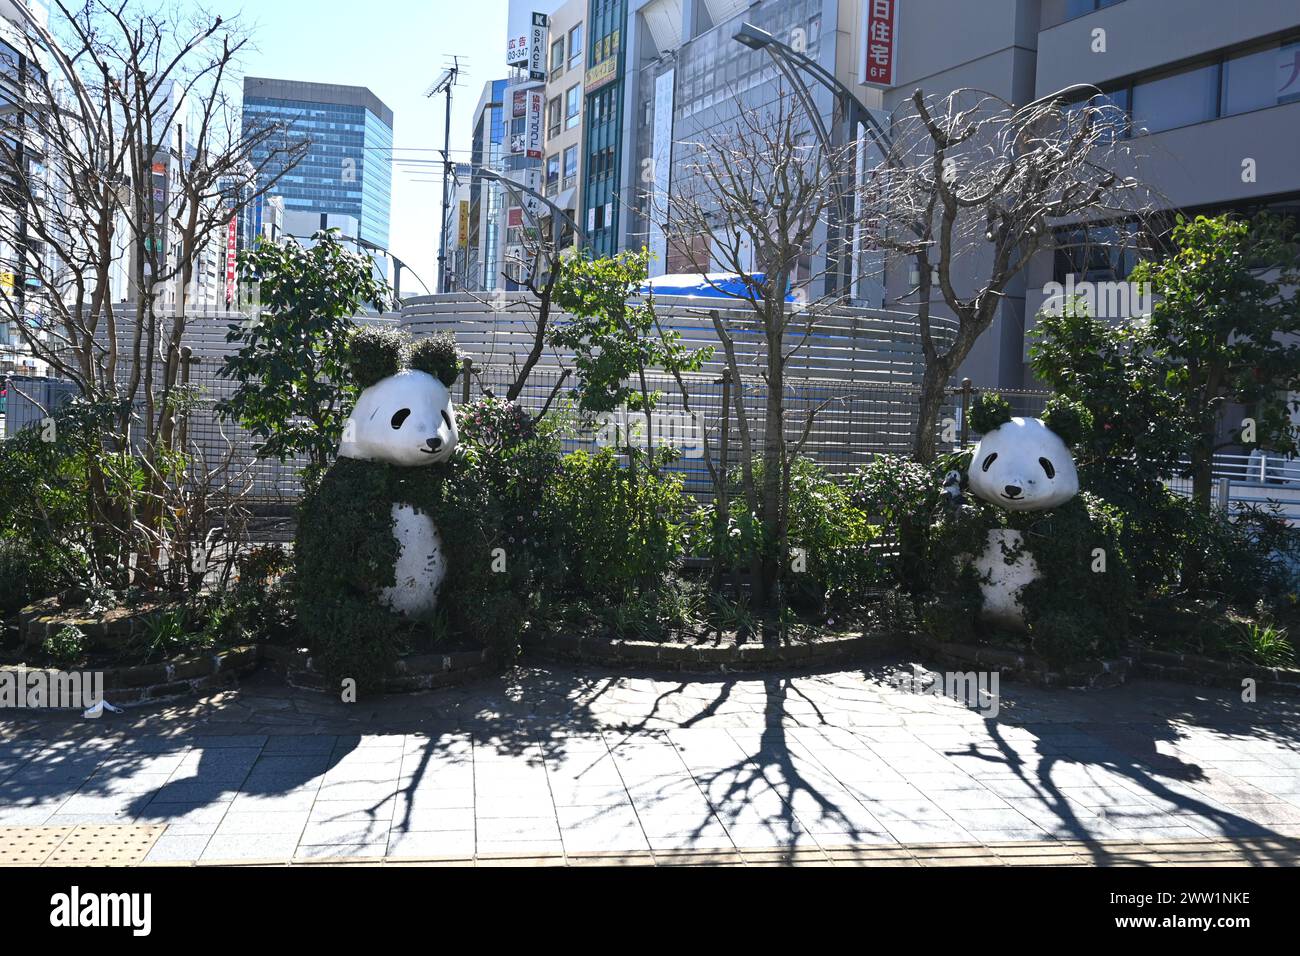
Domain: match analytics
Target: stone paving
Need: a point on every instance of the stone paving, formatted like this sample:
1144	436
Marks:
560	761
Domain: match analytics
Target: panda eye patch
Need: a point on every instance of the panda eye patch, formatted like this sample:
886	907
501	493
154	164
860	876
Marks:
988	461
446	418
1047	467
399	416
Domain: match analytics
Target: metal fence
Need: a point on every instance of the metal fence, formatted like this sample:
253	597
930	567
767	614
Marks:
847	423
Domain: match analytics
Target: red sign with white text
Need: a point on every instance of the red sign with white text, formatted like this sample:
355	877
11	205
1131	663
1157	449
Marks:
232	244
880	42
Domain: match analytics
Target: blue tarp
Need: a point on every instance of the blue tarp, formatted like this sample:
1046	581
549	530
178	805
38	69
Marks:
715	285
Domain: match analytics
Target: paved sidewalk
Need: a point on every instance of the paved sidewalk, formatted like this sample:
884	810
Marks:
561	764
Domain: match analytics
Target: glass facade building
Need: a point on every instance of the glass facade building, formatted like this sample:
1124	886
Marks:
347	168
603	139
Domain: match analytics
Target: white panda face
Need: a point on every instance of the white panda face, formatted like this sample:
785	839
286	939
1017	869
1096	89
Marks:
1023	466
405	419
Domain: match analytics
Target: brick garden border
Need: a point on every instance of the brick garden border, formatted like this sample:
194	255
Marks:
209	670
149	683
1209	672
1026	667
724	657
414	673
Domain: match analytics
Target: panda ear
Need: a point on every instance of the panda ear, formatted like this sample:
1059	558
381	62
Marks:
374	353
437	355
1070	420
990	411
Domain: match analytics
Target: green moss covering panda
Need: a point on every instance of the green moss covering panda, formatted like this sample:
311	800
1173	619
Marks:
399	535
1028	554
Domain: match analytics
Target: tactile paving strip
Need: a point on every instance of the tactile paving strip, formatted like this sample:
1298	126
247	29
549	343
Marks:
30	846
84	845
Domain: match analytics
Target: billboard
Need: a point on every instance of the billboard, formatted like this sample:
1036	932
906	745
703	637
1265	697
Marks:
539	32
518	28
878	65
232	246
536	104
661	153
526	35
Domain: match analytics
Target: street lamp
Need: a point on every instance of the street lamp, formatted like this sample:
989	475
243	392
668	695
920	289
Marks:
512	185
789	62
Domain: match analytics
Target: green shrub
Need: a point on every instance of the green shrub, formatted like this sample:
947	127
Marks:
828	538
900	495
1266	644
66	646
170	631
24	575
620	530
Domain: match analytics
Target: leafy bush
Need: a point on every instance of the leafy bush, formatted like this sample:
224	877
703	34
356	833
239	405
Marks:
170	631
291	363
900	495
620	531
24	575
66	646
1264	643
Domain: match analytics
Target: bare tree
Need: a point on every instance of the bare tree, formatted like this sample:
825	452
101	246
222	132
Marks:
755	200
125	162
972	179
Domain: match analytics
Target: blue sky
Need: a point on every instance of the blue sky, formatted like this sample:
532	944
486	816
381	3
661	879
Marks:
396	48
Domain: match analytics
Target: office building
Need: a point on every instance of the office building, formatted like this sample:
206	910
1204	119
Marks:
347	169
1211	90
566	62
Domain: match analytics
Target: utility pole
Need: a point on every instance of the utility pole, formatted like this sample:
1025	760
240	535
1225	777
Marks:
444	84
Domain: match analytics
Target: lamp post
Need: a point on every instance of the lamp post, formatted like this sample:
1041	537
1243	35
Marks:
511	185
790	62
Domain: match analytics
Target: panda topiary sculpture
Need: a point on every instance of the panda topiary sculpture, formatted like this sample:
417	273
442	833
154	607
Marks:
1033	554
394	543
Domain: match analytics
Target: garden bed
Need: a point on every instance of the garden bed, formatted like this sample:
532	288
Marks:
111	628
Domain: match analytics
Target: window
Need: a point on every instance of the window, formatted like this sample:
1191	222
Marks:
570	166
1079	8
1176	99
572	107
553	118
557	58
552	174
575	46
1261	78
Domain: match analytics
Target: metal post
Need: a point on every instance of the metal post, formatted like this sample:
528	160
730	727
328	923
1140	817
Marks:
720	517
466	367
965	410
446	183
1223	494
187	357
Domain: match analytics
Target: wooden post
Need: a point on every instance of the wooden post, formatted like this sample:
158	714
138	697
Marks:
466	367
965	410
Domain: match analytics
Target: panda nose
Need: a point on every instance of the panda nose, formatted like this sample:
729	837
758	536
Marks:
434	443
1013	491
